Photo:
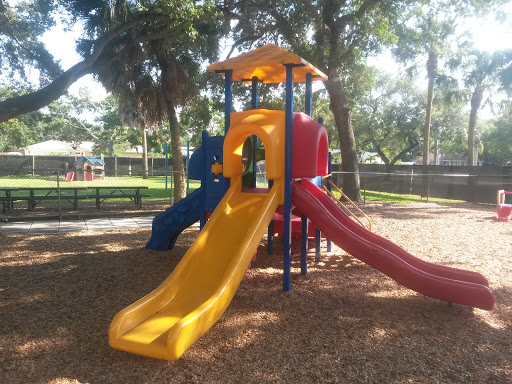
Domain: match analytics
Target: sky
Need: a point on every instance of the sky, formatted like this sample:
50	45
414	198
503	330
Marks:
488	34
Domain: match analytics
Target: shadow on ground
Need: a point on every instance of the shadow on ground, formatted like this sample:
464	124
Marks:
343	322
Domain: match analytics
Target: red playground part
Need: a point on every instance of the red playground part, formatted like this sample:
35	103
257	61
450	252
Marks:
445	283
70	176
278	226
504	210
310	148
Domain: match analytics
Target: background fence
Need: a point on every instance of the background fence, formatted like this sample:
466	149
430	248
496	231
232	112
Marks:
24	165
473	184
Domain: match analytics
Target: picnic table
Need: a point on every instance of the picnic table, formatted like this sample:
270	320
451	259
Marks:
36	195
121	192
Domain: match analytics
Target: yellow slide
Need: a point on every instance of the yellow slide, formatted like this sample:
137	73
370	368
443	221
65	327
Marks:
171	318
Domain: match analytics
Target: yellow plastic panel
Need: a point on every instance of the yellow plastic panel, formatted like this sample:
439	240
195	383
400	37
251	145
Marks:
166	322
269	127
267	63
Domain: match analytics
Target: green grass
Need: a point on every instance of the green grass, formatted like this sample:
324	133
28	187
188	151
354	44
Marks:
397	198
156	185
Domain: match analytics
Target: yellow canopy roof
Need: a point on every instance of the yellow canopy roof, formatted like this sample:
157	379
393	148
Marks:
267	64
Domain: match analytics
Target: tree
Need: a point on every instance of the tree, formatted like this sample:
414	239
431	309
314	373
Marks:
332	35
111	135
99	54
449	118
105	23
21	51
497	146
434	31
431	34
181	31
483	72
14	135
153	76
204	114
388	120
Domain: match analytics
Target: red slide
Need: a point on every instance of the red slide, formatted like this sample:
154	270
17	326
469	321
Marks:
445	283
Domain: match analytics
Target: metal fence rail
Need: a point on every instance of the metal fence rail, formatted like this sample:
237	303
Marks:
472	184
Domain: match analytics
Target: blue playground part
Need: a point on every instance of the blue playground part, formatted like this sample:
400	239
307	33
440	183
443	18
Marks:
169	224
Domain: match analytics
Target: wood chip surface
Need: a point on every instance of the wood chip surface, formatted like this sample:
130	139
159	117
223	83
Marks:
342	323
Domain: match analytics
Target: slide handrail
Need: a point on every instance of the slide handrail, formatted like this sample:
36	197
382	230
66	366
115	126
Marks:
333	196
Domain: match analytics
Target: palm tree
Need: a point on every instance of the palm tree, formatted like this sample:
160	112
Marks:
152	72
482	73
429	35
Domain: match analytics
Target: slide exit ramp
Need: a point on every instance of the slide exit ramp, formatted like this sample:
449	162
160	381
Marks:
169	224
172	317
445	283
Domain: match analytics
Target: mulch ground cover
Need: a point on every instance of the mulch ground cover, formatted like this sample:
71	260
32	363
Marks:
343	322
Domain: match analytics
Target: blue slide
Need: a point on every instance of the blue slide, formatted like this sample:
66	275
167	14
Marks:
169	224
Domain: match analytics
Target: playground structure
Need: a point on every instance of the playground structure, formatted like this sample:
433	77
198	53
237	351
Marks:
167	321
88	169
504	210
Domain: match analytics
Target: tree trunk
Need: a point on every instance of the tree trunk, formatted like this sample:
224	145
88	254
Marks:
431	71
111	148
177	158
144	152
476	101
436	151
343	117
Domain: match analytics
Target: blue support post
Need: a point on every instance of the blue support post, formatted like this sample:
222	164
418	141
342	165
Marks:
309	94
254	102
329	188
188	163
304	219
228	107
270	236
304	247
166	162
318	243
288	157
318	234
202	205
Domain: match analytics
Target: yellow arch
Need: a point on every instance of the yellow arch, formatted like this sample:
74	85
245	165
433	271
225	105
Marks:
269	127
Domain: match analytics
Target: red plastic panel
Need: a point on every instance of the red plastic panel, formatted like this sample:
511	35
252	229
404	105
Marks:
310	148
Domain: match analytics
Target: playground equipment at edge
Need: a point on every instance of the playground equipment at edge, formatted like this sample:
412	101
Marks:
167	321
504	210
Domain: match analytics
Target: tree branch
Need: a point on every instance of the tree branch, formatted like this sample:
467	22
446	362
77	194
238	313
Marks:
240	42
382	155
413	143
19	105
313	12
350	17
